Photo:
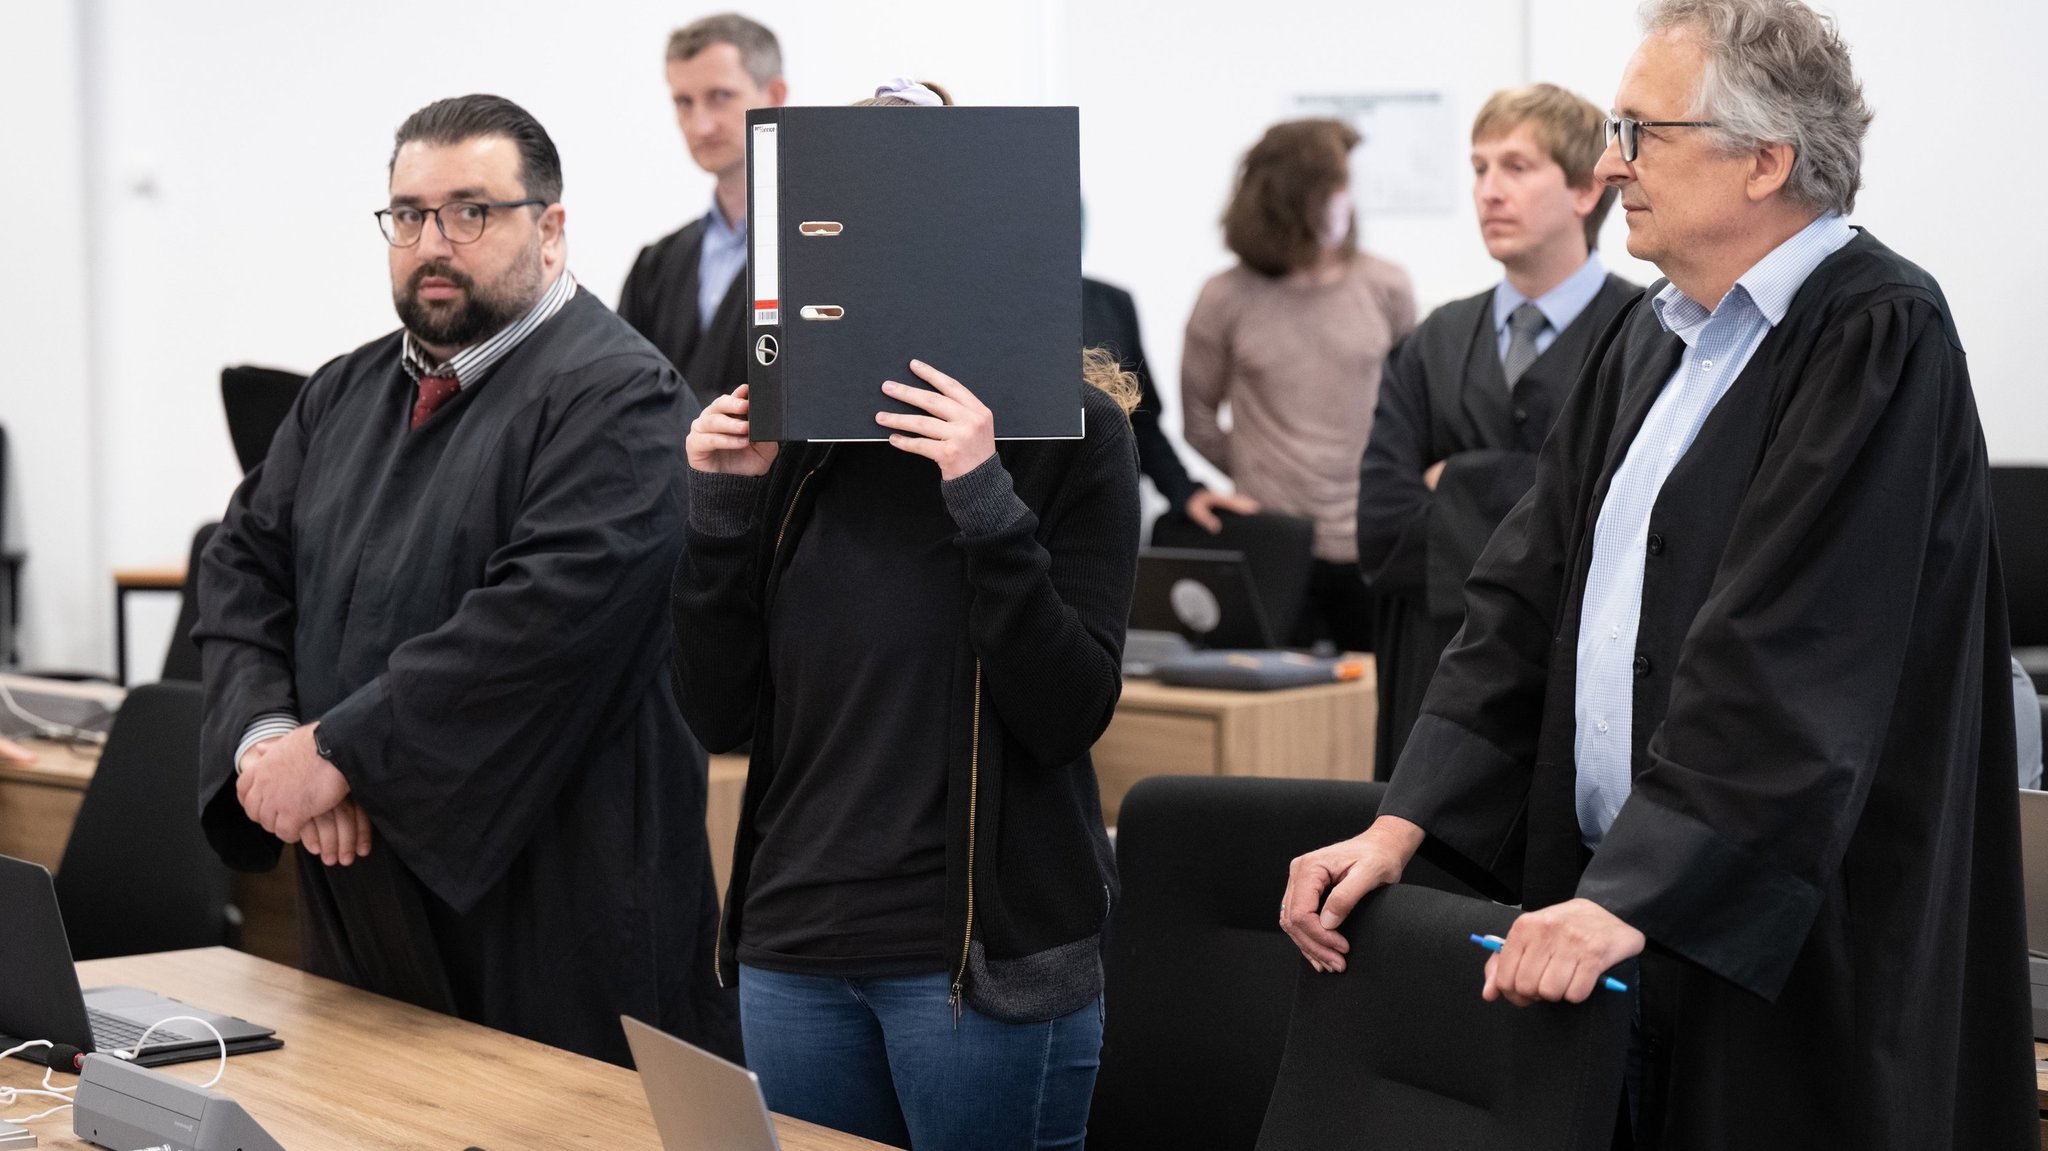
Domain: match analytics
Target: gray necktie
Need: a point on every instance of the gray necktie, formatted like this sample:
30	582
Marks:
1523	324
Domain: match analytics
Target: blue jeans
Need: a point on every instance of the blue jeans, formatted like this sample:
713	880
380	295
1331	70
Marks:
884	1059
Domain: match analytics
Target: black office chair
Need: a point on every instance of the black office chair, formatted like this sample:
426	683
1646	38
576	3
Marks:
257	401
1200	977
181	659
137	874
1400	1051
1280	550
2019	499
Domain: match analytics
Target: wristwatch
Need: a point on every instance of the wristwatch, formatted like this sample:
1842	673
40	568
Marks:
321	747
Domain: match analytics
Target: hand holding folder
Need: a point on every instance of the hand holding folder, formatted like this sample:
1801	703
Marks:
718	440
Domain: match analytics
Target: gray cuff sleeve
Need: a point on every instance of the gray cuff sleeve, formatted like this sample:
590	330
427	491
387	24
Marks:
983	501
723	505
269	725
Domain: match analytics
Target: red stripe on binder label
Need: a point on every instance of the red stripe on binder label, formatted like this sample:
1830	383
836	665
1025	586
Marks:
767	312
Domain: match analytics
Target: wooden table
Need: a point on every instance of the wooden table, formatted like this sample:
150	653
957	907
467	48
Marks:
1321	732
367	1073
129	580
39	802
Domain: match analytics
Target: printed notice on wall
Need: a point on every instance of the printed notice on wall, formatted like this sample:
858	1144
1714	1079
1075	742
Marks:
1410	160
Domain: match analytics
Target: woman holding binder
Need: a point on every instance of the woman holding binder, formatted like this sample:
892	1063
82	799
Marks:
922	638
1292	339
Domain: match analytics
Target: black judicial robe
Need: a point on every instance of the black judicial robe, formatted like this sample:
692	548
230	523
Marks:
1822	840
1443	397
660	301
1109	320
474	612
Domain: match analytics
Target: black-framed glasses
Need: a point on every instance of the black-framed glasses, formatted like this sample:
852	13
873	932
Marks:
460	221
1630	132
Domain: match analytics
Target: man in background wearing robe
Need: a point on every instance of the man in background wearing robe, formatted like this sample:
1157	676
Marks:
687	291
1467	399
430	623
1732	691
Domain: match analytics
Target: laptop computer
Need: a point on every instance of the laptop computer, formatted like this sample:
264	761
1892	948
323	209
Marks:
2034	882
40	997
32	708
1207	596
700	1102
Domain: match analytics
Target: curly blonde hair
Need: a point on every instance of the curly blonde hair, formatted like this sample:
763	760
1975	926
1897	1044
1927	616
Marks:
1105	374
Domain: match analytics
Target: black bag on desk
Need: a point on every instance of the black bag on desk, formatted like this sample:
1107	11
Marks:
881	235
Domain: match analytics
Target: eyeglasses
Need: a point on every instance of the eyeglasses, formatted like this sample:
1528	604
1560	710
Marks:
1630	131
460	221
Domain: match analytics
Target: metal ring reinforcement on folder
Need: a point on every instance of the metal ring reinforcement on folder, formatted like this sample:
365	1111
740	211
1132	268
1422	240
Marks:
821	311
820	228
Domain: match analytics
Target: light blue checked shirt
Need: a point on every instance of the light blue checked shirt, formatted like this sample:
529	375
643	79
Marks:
1560	305
1718	345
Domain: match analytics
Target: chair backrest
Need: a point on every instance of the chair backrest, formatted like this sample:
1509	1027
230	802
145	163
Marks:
137	874
1279	549
2019	498
1401	1052
181	659
256	400
1200	977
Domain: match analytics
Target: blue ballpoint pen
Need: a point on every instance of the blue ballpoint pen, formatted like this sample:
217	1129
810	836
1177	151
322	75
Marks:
1493	942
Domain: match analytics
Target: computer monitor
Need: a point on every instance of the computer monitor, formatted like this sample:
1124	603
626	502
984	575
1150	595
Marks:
2034	866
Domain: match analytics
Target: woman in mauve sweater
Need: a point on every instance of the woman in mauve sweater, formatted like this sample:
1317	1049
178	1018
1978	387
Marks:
1292	339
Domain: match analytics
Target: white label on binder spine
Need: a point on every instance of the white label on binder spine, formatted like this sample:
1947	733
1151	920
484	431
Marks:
762	224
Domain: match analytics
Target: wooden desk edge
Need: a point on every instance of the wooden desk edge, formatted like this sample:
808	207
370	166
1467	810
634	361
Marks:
221	979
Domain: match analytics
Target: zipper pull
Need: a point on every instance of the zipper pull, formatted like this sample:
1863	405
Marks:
953	1001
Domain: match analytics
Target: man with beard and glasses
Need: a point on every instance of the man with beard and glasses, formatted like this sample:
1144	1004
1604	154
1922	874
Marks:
428	625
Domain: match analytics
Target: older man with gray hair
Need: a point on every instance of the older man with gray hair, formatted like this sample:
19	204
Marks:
1731	694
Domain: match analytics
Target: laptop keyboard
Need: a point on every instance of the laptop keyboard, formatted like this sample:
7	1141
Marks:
113	1033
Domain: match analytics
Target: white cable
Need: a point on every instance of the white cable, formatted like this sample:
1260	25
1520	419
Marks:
10	1095
219	1071
12	1051
37	1115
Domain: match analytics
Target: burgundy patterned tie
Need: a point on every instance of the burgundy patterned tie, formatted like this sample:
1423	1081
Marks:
434	390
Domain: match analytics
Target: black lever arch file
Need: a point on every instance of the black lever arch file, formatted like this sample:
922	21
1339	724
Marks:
881	235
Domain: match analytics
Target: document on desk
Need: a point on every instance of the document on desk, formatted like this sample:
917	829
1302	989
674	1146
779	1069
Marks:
883	235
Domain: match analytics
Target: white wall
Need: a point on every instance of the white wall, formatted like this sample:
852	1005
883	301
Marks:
47	399
230	154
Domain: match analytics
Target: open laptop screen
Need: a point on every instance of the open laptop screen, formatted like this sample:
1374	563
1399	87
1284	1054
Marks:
1204	595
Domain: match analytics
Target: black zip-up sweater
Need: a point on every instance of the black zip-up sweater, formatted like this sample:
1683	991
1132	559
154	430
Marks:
1050	533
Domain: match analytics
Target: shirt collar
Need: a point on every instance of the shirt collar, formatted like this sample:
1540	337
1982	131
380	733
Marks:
720	229
1768	285
470	364
1561	304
